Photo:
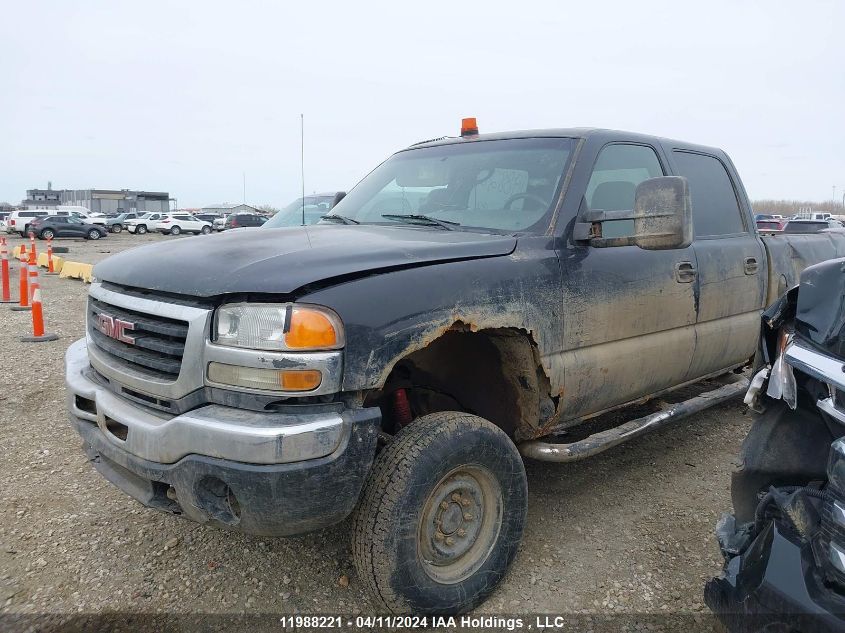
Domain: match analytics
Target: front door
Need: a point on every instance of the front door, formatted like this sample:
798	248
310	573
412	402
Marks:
629	313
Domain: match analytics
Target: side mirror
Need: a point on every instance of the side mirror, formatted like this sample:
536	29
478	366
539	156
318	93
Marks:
662	217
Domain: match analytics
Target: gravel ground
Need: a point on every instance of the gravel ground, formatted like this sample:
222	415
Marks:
629	531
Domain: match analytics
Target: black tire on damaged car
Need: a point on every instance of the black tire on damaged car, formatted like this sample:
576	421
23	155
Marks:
441	516
116	228
94	234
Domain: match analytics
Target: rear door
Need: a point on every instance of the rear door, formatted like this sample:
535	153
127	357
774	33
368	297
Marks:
731	264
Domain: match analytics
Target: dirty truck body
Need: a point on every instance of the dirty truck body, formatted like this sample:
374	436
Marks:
479	292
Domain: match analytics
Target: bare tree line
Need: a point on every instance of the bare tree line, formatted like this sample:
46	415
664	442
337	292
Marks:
791	207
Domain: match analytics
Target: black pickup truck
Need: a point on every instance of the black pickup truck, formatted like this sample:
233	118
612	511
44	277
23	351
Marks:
466	301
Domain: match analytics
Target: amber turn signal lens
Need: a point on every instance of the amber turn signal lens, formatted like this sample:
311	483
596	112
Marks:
300	380
310	329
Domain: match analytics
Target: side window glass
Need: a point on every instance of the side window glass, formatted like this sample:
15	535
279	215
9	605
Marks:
715	210
618	171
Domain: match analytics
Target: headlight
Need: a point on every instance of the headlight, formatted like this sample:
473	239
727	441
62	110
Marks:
278	327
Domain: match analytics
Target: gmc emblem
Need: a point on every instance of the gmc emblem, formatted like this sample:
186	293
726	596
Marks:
115	328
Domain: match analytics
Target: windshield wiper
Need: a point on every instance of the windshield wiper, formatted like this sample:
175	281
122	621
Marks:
339	218
421	219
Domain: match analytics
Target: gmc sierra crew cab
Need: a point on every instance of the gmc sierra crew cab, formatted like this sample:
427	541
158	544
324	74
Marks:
468	302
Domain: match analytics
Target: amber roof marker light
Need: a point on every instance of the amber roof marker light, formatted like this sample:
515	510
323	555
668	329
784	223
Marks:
469	127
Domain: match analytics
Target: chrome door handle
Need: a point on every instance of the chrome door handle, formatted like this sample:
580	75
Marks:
685	272
751	266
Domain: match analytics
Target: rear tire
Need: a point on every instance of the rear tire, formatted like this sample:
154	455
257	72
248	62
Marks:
441	516
116	228
141	229
175	230
47	234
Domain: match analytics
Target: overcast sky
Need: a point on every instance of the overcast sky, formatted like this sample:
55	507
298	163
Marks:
185	97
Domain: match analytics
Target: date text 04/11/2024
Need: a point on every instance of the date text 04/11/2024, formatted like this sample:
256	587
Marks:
422	622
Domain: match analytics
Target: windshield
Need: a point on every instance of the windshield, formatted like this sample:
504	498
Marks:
508	185
315	208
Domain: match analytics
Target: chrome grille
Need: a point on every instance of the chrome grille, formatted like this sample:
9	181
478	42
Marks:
159	342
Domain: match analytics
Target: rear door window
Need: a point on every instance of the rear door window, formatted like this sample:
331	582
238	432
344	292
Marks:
715	209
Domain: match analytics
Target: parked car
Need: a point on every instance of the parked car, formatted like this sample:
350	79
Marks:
316	207
19	220
4	215
455	312
52	226
79	212
176	223
143	224
117	223
784	545
219	222
771	225
811	226
240	220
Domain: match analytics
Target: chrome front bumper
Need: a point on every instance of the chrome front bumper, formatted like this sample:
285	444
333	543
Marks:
212	430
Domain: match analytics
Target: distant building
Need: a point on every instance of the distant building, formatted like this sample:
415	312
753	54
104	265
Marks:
227	208
98	200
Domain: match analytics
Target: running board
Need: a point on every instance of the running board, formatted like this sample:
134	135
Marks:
599	442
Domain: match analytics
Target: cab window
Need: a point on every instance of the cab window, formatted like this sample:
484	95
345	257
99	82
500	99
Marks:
613	183
715	210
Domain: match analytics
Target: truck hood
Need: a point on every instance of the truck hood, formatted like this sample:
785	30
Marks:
280	261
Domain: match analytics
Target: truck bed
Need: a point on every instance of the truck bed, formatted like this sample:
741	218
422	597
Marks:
788	255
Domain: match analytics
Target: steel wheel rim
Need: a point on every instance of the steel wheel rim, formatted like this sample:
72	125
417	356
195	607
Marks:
460	524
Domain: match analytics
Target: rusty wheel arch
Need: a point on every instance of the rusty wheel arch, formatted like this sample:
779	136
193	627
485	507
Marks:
493	372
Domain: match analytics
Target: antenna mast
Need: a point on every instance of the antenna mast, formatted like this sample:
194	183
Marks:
302	160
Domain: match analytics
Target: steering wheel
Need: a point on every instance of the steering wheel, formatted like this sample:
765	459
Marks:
525	196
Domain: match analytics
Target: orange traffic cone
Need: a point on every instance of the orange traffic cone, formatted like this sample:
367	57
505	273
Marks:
32	266
38	335
23	300
6	296
50	269
32	247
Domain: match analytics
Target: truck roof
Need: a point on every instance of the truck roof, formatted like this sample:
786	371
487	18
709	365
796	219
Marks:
573	132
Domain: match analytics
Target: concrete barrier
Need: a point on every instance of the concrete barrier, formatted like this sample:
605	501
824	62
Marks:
76	270
58	262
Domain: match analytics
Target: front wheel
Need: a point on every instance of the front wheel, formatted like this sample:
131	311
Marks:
175	230
93	234
116	228
441	516
206	230
141	229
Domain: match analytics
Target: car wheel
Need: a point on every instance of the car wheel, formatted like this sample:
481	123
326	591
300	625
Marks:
116	228
93	234
206	230
141	229
175	230
441	516
47	234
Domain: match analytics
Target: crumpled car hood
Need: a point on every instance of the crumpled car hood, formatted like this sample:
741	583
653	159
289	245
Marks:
280	261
